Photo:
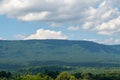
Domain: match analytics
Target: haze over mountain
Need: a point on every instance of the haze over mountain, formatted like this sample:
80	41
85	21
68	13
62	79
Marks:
58	52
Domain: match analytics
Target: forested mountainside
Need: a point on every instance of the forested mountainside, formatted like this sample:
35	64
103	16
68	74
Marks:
58	52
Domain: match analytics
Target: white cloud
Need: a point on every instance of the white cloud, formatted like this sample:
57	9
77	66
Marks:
87	25
104	19
94	40
100	16
46	10
73	28
2	38
34	16
20	36
105	33
55	25
109	41
46	34
109	28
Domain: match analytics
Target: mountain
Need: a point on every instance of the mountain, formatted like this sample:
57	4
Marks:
57	52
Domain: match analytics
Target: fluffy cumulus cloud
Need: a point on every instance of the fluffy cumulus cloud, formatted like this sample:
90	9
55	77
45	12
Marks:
109	28
104	19
46	34
45	10
100	16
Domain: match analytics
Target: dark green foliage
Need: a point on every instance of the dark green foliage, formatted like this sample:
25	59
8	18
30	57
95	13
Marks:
4	74
52	74
49	70
78	75
108	76
88	76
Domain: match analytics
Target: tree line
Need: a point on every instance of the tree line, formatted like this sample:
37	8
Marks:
50	75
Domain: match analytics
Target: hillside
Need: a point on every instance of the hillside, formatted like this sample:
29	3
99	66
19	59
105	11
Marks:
57	52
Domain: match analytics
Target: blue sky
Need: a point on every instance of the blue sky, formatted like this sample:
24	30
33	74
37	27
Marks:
93	20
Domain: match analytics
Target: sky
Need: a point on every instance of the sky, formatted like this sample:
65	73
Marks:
92	20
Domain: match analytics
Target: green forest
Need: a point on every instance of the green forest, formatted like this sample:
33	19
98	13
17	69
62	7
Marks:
48	75
61	73
58	60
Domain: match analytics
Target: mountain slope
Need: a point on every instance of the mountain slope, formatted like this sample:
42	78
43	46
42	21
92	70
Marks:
31	51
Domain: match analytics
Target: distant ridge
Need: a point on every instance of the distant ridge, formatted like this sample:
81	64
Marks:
66	51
